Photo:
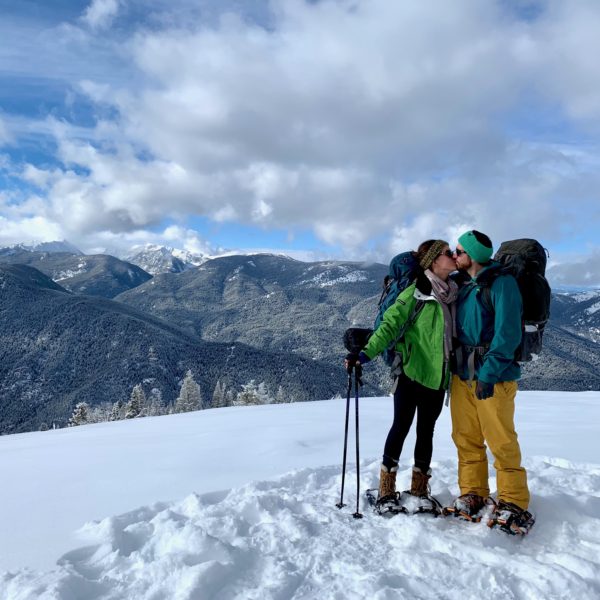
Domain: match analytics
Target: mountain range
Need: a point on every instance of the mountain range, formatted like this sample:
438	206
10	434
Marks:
96	275
78	327
156	259
58	348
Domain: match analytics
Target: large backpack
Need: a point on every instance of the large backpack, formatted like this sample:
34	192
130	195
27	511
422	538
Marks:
525	260
402	272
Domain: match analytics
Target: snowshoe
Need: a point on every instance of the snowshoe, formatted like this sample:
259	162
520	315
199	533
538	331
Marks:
425	504
511	519
387	506
468	507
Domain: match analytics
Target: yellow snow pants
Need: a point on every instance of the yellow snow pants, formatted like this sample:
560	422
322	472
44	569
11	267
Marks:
475	422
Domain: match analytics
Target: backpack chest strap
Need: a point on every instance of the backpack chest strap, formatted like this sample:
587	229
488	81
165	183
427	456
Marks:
469	354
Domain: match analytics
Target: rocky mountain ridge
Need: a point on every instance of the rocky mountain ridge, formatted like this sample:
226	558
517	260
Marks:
156	259
93	274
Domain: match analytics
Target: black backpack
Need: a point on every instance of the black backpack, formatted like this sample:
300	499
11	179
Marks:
525	260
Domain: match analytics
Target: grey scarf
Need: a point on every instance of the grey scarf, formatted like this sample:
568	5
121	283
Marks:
445	292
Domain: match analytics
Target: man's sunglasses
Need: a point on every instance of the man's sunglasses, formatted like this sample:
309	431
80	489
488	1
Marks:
459	252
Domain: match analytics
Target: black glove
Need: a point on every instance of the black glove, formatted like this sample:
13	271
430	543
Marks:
484	390
352	358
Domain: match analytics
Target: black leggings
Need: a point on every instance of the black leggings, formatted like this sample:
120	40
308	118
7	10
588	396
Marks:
409	397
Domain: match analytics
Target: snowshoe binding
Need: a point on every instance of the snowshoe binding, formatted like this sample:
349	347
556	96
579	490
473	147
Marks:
417	505
387	506
511	519
418	500
468	507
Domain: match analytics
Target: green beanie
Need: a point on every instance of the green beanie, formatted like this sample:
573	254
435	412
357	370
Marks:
475	245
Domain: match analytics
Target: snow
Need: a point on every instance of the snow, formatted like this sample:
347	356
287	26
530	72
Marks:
594	308
70	273
329	278
240	503
587	295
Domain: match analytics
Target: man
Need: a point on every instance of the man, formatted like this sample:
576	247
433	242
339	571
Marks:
484	386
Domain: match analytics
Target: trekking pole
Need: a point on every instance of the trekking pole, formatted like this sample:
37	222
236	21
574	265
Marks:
341	504
357	384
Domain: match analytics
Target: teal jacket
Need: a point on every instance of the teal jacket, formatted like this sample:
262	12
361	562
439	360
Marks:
422	347
501	329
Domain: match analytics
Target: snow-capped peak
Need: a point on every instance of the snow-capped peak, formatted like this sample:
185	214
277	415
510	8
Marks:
50	247
156	259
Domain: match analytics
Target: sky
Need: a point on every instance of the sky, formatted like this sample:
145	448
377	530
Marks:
349	129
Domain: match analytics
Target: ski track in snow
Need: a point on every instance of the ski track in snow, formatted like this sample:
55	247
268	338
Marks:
274	540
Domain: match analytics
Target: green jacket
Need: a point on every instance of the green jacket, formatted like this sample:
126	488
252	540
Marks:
422	347
501	329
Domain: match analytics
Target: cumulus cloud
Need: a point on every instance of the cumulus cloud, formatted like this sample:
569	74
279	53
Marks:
121	244
375	124
100	13
28	230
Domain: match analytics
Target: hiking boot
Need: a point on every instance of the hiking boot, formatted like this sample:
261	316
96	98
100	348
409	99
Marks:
511	518
387	483
468	507
419	485
388	500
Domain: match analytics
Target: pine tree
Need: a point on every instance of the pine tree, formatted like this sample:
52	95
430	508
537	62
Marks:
229	398
281	397
100	413
219	400
263	393
155	406
249	396
137	402
80	414
190	396
116	413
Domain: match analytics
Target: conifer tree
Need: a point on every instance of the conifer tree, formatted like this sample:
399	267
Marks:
219	399
80	414
281	397
263	393
137	402
116	413
249	396
155	404
100	413
190	396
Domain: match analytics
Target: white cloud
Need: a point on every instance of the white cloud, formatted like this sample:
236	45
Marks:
100	13
120	244
564	48
28	230
373	123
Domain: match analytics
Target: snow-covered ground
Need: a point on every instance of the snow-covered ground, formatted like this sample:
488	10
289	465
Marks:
240	503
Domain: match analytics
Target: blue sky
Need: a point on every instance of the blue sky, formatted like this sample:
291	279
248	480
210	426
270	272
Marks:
333	128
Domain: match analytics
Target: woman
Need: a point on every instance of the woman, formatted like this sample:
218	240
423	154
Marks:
425	353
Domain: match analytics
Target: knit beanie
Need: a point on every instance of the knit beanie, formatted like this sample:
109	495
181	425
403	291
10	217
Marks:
475	246
432	254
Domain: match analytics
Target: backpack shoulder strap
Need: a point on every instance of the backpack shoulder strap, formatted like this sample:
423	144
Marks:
412	317
486	287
